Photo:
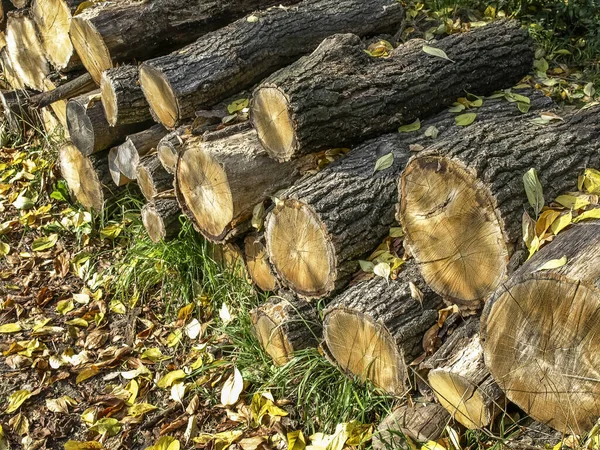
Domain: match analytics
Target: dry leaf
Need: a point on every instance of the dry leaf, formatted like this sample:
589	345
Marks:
16	399
552	264
230	393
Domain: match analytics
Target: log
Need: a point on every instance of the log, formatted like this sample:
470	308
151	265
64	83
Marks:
89	130
421	422
257	262
9	71
339	95
26	53
17	114
314	237
119	179
137	145
152	178
462	201
123	31
285	325
168	150
538	331
122	96
219	181
74	88
161	219
230	257
53	21
243	53
461	382
88	177
375	328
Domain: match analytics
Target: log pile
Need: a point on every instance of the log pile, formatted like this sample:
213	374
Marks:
307	180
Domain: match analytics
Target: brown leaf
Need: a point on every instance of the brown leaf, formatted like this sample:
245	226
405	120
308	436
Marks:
173	426
95	339
431	341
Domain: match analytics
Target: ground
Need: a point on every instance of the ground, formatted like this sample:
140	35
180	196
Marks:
110	341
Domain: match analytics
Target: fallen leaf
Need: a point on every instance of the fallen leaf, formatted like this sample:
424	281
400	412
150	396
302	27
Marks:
466	119
383	270
224	314
10	328
178	392
534	191
87	445
4	249
572	201
139	409
296	440
16	399
60	405
230	393
590	214
552	264
410	127
431	132
384	162
167	380
561	222
192	329
107	426
44	243
437	52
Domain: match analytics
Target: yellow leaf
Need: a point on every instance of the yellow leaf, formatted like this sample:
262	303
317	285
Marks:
572	201
432	445
139	409
230	393
589	182
153	354
111	231
64	306
107	426
86	374
296	440
561	222
222	440
78	322
534	191
89	415
10	328
185	312
553	264
16	399
117	306
172	377
545	221
165	443
4	249
240	104
44	243
88	445
133	387
174	338
590	214
534	246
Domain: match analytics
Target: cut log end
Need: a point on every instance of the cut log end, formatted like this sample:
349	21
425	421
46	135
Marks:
272	339
257	263
366	349
168	155
272	120
161	219
470	259
203	184
90	47
160	95
109	100
53	20
80	127
300	250
81	178
541	347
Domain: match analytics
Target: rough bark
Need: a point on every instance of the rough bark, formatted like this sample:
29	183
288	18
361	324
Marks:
89	130
421	422
137	145
122	96
74	88
257	263
461	381
161	219
168	149
315	235
152	178
220	181
53	21
113	166
88	177
340	95
25	51
16	111
539	336
121	31
375	328
285	325
241	54
462	200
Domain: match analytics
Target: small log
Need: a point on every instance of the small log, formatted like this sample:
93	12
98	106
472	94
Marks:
315	237
161	219
285	325
115	172
53	21
421	422
17	114
461	382
168	149
74	88
123	31
257	262
461	202
26	53
137	145
199	76
339	95
89	130
152	178
9	71
88	177
122	96
220	181
375	328
539	329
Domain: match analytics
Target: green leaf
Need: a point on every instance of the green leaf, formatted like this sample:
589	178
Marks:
396	232
60	192
431	132
534	190
589	89
384	162
366	266
107	426
541	65
410	127
139	409
552	264
438	52
466	119
44	243
456	108
111	231
238	105
523	107
252	19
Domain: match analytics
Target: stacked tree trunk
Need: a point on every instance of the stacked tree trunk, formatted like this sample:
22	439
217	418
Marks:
318	177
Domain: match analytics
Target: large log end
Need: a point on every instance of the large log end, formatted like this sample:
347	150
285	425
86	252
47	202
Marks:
81	177
90	46
160	95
